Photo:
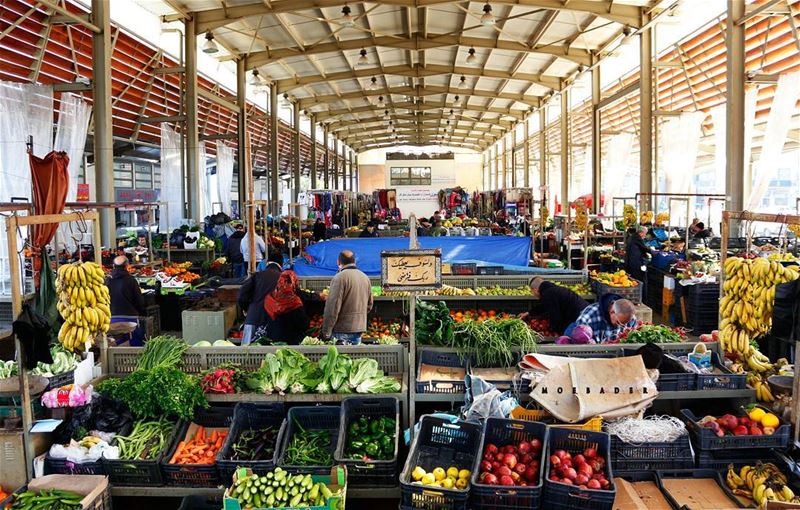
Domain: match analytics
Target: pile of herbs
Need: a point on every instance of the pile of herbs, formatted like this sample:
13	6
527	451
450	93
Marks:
652	334
162	391
371	438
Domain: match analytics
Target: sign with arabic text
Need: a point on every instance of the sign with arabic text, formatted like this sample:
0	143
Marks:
411	270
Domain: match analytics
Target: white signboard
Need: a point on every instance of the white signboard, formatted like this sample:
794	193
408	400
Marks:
416	194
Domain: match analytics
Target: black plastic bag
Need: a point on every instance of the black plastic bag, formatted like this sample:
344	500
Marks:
786	312
103	414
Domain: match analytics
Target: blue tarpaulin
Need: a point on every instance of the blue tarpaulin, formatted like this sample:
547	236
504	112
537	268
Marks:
498	250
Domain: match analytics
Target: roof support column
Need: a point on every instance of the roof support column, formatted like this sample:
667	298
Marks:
646	118
327	157
354	171
514	157
335	163
241	99
565	144
103	126
503	160
273	150
312	168
734	131
192	134
543	177
526	156
296	158
345	176
597	172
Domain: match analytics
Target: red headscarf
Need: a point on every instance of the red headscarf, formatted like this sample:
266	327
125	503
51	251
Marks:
283	298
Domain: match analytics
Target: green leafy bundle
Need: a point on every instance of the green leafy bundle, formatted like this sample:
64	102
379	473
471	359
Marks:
652	334
158	392
162	351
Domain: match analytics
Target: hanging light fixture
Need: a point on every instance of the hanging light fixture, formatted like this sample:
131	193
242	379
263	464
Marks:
347	18
363	60
285	100
385	114
210	46
471	58
373	83
457	101
380	100
627	38
255	79
487	19
452	114
462	82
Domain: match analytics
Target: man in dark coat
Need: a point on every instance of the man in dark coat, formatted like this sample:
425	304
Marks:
561	306
127	302
637	255
252	294
233	252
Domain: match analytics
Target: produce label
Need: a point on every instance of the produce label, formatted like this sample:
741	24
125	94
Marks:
411	270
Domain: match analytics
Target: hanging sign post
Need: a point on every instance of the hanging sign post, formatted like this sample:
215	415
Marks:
411	270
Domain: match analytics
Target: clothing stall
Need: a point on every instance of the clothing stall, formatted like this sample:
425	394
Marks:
385	206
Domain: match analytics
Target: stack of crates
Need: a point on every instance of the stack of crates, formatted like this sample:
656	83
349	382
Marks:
702	307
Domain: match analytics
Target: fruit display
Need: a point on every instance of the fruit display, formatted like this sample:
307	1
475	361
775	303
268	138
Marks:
280	489
646	217
511	465
450	478
629	216
757	422
782	257
477	315
581	289
586	469
761	482
496	290
542	326
449	290
83	302
617	279
581	215
180	271
662	218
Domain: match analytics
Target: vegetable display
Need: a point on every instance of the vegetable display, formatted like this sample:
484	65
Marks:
201	449
310	448
146	441
47	500
255	444
652	333
370	438
8	369
511	464
162	351
279	489
222	380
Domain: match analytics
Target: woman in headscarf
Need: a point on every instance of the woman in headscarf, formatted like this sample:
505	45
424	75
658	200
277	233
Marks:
288	321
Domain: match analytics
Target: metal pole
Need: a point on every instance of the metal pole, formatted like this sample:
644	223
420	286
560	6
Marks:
327	158
103	126
646	117
241	100
526	156
543	177
352	172
192	134
358	173
344	167
565	150
296	156
273	150
503	160
734	131
335	164
312	168
514	157
597	171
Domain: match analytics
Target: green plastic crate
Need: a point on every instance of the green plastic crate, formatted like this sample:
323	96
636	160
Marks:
338	473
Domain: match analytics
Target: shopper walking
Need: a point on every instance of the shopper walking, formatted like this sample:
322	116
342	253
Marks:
288	319
608	318
560	305
349	301
127	302
233	252
252	294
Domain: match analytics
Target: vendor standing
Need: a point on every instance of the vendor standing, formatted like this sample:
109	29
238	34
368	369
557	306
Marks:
637	254
127	302
369	230
261	248
561	306
252	294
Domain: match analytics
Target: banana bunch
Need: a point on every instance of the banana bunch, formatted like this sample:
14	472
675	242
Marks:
662	218
581	215
646	217
629	216
795	229
758	381
89	441
449	290
761	483
544	213
83	302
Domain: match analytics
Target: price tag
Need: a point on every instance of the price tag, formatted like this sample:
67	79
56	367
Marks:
411	270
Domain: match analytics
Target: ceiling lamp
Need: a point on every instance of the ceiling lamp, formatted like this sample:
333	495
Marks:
347	19
452	114
471	58
627	38
255	79
462	82
285	100
363	60
487	19
373	83
457	101
385	114
210	46
380	100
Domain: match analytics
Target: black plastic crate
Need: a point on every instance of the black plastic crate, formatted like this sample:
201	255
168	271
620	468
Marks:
439	442
466	269
443	359
503	432
677	382
130	472
705	439
651	456
726	380
53	466
695	473
247	416
310	418
719	460
489	270
560	496
201	503
633	294
195	475
372	473
60	380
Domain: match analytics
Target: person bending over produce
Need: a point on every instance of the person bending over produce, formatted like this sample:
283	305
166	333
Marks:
349	301
608	318
252	294
561	306
127	302
288	320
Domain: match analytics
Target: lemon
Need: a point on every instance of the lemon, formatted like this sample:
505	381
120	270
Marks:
461	483
464	474
770	420
439	473
418	473
452	471
447	483
428	479
756	414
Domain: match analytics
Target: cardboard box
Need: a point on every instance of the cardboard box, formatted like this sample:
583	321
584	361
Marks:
91	487
698	493
643	495
12	468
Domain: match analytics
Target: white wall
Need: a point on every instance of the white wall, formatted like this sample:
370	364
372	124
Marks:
465	171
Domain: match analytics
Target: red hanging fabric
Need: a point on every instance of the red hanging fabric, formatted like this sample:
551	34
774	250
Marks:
50	182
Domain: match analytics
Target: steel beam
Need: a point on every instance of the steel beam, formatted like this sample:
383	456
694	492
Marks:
597	140
335	181
565	152
646	118
312	168
358	174
72	87
192	123
207	94
273	150
103	120
165	118
418	91
241	134
77	18
296	154
352	172
735	114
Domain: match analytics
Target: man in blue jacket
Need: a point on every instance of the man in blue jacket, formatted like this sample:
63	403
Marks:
608	318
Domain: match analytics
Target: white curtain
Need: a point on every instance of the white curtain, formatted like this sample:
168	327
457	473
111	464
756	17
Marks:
775	136
224	175
615	167
681	137
205	196
171	185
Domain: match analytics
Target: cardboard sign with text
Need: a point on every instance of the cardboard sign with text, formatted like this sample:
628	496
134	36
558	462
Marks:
411	270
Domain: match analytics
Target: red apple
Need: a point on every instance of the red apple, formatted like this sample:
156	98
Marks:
571	474
579	459
515	476
604	483
560	454
495	466
508	448
536	445
593	484
586	469
486	466
524	447
755	431
566	481
744	420
555	460
490	448
520	468
531	474
490	479
526	459
510	460
590	453
500	457
581	479
502	471
489	457
506	480
740	430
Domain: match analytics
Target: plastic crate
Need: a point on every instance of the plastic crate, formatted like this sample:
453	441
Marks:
309	418
633	294
695	473
520	413
195	475
443	359
489	270
374	472
207	325
502	432
719	460
200	503
135	472
727	380
559	496
60	380
439	442
463	269
54	466
335	479
705	439
247	416
651	456
677	382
